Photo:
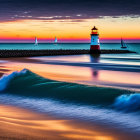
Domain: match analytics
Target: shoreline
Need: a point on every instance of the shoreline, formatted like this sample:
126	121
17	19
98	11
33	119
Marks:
25	124
31	53
19	123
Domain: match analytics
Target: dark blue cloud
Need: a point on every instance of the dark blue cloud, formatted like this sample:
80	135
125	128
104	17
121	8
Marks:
63	9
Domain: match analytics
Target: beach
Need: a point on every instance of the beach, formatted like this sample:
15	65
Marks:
18	123
70	97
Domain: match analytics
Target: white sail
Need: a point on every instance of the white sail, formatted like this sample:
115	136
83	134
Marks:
55	41
36	42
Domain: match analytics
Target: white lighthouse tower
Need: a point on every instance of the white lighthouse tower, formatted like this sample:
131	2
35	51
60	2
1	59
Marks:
95	43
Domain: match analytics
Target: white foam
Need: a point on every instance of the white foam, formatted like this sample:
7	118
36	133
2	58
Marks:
6	79
128	102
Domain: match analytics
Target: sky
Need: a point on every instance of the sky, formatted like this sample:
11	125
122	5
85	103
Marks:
69	20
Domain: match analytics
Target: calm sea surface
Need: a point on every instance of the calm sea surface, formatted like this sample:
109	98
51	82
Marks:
133	47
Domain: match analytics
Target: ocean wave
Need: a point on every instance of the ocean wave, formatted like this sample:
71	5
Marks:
28	90
6	79
129	103
26	83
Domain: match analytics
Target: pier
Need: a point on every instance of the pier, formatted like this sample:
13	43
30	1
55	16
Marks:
31	53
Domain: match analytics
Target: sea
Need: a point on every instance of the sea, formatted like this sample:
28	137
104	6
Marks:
102	89
43	46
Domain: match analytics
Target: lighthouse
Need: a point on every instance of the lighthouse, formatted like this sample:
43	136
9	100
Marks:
95	43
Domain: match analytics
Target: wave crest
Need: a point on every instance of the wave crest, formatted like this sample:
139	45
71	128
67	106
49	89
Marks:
128	102
6	79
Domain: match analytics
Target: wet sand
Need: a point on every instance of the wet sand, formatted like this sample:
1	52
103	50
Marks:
22	124
93	73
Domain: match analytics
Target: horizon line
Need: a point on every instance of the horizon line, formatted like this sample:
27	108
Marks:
68	40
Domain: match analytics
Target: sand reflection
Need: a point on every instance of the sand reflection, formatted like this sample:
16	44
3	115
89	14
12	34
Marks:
78	74
17	123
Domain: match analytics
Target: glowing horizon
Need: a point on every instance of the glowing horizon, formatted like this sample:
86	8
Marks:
110	29
86	40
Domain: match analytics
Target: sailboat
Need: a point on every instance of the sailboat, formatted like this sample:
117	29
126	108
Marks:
123	44
55	41
36	42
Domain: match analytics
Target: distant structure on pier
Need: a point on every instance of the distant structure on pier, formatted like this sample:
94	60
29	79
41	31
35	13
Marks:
95	43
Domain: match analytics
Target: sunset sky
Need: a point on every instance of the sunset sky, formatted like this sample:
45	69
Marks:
70	21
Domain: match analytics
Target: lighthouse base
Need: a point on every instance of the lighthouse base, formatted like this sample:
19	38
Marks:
95	49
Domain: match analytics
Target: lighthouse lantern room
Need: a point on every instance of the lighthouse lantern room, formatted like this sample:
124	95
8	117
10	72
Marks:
95	43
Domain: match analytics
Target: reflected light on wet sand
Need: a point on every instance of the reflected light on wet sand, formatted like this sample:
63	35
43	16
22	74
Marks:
82	75
120	77
19	123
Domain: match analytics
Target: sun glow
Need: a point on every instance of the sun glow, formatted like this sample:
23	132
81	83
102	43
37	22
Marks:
68	29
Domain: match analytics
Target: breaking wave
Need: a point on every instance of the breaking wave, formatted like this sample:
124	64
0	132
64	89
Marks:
28	90
26	83
128	103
